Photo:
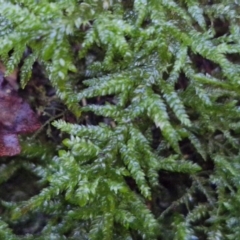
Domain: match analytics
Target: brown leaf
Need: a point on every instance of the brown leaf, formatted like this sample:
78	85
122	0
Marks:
16	117
9	145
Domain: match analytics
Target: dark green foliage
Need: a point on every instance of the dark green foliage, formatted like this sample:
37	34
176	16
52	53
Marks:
153	149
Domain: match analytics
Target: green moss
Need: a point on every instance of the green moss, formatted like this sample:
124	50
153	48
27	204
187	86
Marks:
150	150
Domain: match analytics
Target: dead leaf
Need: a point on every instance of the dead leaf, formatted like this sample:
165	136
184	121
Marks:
16	117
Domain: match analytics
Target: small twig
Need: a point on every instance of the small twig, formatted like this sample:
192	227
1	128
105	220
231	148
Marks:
45	124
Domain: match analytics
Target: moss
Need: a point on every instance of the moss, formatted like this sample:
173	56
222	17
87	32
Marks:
144	97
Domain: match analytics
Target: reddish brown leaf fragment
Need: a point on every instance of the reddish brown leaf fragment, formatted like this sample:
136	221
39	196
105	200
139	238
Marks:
9	145
16	117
